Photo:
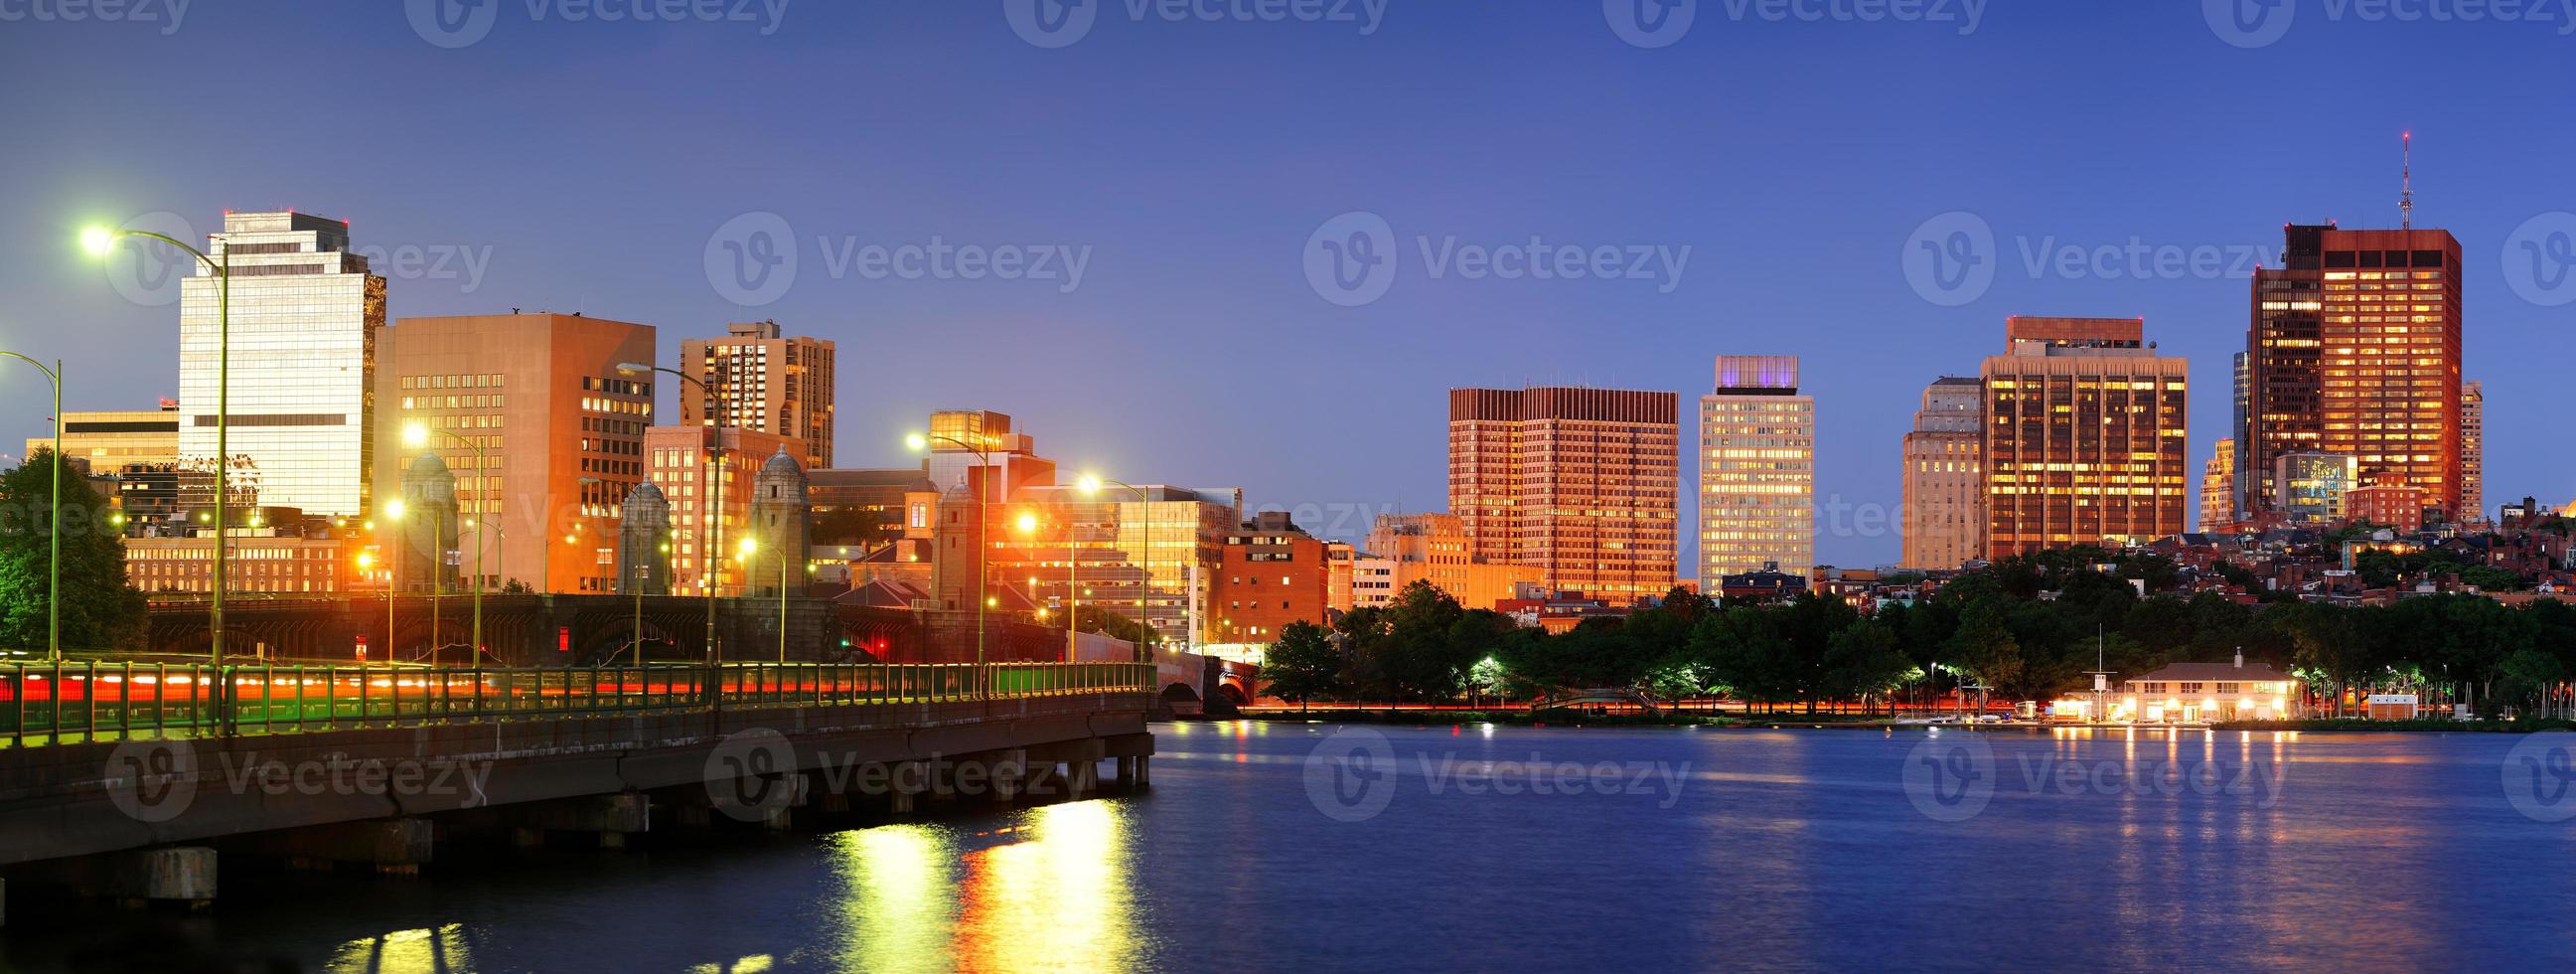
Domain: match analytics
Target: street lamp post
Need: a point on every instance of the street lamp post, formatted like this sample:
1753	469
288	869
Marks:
417	436
1145	589
710	479
99	241
54	524
983	513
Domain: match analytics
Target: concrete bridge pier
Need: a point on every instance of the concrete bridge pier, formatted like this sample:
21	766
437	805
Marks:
170	874
610	818
394	846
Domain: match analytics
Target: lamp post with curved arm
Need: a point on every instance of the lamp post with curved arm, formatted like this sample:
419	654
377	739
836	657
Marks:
711	479
99	241
54	523
983	513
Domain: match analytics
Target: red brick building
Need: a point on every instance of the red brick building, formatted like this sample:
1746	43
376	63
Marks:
1272	574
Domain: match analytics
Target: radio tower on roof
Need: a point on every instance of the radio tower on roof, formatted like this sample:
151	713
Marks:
2406	200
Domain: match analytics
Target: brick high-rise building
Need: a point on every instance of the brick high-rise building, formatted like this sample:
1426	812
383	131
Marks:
2085	436
1583	484
759	381
561	433
1944	516
2355	344
1757	470
1273	574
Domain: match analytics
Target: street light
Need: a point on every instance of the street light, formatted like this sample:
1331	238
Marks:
921	444
99	241
54	588
1145	589
416	436
711	480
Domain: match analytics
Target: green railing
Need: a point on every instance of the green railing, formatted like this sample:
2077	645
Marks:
82	700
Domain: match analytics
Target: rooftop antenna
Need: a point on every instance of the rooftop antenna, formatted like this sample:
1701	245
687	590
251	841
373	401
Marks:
2406	200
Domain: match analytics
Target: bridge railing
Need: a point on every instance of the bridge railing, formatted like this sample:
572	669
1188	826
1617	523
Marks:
75	700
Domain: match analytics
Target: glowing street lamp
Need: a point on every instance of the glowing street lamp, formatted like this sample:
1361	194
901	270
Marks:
99	241
54	524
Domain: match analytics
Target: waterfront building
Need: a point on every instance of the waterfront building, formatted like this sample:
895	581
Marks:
305	315
1436	548
1581	484
1943	520
1271	573
1372	583
2356	345
760	381
2085	436
560	433
1153	557
1757	470
2193	693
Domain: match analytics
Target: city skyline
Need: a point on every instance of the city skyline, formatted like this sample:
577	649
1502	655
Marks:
1161	272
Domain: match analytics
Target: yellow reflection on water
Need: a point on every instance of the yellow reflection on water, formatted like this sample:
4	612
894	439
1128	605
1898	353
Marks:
422	951
900	896
1075	864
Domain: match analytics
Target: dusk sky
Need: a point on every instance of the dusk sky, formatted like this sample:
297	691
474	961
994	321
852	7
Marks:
564	163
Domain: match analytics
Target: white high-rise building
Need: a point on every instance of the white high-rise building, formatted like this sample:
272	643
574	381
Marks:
305	313
1757	470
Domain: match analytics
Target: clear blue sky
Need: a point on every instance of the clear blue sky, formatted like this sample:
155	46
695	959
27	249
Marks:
589	163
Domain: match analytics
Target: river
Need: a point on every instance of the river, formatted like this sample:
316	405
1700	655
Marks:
1291	846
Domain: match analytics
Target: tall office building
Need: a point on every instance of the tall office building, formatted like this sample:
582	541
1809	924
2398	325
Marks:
759	381
561	434
708	476
2218	487
2356	351
2241	441
1944	515
305	313
1757	470
2085	436
2473	452
107	441
961	442
1583	484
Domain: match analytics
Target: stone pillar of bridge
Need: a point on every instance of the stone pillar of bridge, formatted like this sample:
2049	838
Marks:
429	526
780	503
643	540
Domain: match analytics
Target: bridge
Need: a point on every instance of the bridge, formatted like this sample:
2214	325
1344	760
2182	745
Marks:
127	779
1597	697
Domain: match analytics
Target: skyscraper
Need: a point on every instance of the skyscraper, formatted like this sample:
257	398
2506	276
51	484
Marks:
1944	516
2356	351
305	313
2473	452
2218	487
561	433
1757	470
2085	436
758	381
2241	440
1584	484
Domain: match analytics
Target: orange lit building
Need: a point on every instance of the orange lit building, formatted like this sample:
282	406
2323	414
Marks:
690	464
759	381
1435	548
279	551
2085	437
1944	517
2389	501
2356	352
1272	574
1582	484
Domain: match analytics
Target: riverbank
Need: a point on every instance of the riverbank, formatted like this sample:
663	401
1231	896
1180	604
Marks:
1566	718
2399	726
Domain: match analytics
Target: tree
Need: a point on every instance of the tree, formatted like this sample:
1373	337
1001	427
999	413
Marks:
99	611
1985	646
1302	665
1862	661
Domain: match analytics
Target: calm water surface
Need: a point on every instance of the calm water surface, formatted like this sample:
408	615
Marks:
1651	849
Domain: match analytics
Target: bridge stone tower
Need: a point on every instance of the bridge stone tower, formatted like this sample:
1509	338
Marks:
956	540
643	565
428	528
780	503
